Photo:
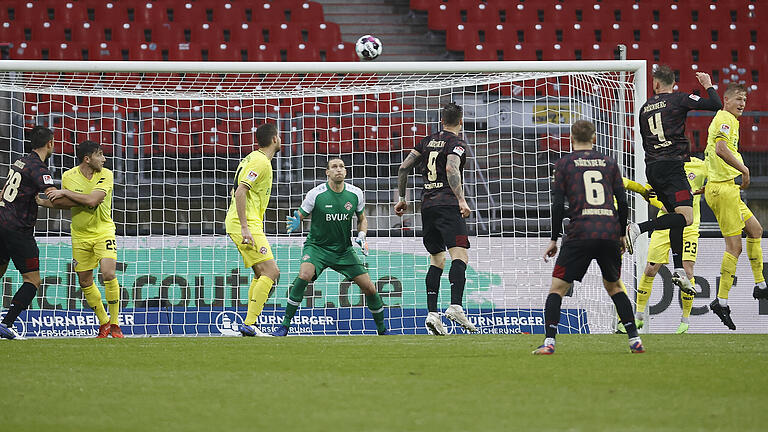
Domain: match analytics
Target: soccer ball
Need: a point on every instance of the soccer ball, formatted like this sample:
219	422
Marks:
368	47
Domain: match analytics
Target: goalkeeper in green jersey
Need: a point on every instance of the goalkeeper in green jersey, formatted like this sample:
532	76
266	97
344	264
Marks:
331	206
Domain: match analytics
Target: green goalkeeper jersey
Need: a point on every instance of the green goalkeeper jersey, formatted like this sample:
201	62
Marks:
331	213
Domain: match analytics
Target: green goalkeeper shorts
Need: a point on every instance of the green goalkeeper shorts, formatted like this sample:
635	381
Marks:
345	262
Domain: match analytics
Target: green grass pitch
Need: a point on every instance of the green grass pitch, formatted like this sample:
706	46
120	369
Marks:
397	383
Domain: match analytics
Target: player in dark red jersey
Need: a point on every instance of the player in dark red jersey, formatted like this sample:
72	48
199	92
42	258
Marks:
591	181
27	177
443	209
662	125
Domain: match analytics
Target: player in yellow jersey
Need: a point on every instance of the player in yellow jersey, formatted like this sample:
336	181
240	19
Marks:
245	222
87	190
659	247
724	164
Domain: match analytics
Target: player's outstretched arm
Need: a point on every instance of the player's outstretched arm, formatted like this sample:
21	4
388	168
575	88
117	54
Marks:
402	180
61	203
712	103
293	223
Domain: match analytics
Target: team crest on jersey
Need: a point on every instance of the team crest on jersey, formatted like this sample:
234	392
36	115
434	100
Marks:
348	206
724	128
305	258
694	97
263	250
252	175
459	150
47	179
691	176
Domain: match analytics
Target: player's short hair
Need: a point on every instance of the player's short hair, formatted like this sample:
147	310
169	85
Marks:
39	136
87	148
265	133
451	114
333	158
735	88
664	74
582	131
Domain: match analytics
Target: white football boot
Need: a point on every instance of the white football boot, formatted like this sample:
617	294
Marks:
455	313
435	324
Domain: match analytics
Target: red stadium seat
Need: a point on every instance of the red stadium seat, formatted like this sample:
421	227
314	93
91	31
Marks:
248	34
284	34
222	52
323	34
462	36
264	53
229	13
522	13
344	51
500	35
185	52
146	14
442	15
484	13
205	32
481	52
303	52
268	12
190	13
307	11
65	51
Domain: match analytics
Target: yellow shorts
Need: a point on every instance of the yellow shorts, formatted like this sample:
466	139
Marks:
724	198
658	248
88	253
256	253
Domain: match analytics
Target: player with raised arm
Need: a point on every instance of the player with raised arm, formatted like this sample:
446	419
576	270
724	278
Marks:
662	126
331	206
87	191
245	222
658	248
27	177
591	181
443	210
724	164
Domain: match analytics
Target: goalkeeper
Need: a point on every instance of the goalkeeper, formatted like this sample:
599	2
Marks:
331	206
658	249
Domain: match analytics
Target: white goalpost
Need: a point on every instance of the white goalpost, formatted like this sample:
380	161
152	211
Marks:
173	134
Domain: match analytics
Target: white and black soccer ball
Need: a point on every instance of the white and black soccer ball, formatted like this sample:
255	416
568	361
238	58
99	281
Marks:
368	47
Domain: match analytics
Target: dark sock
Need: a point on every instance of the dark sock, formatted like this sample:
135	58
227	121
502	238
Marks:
21	300
433	287
667	221
552	314
624	309
457	275
295	296
676	244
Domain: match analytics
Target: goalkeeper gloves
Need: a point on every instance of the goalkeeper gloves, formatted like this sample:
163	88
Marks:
292	223
360	240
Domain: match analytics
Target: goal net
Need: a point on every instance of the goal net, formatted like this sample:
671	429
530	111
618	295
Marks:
173	134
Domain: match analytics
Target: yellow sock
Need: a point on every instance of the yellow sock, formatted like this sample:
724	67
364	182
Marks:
113	299
687	301
93	298
644	292
755	254
259	291
727	273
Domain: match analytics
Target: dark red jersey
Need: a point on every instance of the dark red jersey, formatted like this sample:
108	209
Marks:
662	123
27	177
434	151
590	180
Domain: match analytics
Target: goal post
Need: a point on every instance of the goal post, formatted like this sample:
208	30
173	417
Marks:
173	134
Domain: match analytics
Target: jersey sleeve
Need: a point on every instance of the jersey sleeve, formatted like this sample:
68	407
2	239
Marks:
42	177
106	183
458	148
695	102
254	173
309	202
420	145
360	200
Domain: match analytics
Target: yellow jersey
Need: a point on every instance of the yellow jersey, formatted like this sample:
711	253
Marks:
89	223
724	127
254	171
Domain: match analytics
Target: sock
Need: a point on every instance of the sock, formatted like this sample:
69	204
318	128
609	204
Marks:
376	306
687	301
755	254
457	276
644	288
259	292
295	296
433	287
624	308
676	245
623	288
552	314
20	301
93	298
727	273
112	290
